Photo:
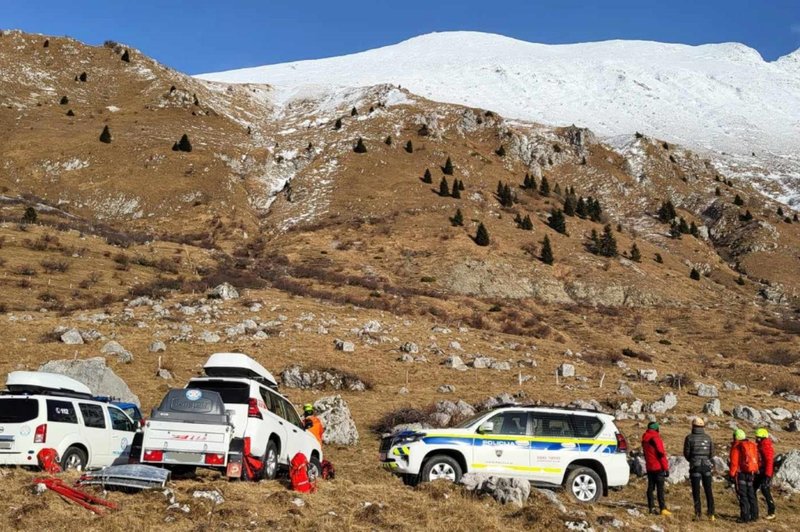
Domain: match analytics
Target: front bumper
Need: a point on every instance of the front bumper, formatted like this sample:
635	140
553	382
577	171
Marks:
398	459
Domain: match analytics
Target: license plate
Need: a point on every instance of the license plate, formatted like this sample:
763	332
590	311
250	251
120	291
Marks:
5	445
192	458
382	457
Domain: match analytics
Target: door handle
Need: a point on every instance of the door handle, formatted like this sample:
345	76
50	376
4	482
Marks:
522	443
568	445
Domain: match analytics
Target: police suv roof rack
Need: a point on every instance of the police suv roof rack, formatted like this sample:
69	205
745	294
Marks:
545	405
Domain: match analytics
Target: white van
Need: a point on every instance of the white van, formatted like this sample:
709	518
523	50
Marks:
45	410
258	412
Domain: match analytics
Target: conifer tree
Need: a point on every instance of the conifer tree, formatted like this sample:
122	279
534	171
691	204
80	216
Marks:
557	190
456	192
694	274
666	212
526	183
482	235
738	200
458	219
595	211
557	222
717	192
608	244
29	216
659	259
544	187
423	131
359	147
674	229
779	211
64	100
447	169
444	190
354	111
371	109
184	144
47	43
105	136
547	251
83	76
740	280
501	151
461	185
70	113
499	189
427	178
569	205
683	227
693	230
746	217
594	242
795	217
526	223
388	140
635	254
196	101
338	124
126	56
581	209
409	147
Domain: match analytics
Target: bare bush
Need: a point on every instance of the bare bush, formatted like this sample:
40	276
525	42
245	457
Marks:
53	266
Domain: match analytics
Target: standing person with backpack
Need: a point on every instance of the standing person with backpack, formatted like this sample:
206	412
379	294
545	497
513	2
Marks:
766	468
698	449
655	459
744	466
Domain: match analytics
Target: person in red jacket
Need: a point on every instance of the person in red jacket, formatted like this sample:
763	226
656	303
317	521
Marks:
766	468
655	460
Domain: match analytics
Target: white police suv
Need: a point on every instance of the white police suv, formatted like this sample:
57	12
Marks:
581	450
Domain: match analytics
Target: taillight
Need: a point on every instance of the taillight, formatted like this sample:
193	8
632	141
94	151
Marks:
622	443
40	436
153	456
252	409
214	459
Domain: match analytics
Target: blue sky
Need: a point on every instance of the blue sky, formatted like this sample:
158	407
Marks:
207	36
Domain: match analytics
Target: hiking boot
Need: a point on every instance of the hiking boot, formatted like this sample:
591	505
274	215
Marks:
666	513
771	517
712	518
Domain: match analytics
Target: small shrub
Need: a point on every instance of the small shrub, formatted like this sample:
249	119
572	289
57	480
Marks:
630	353
409	147
694	275
482	235
359	147
53	266
25	270
126	56
29	216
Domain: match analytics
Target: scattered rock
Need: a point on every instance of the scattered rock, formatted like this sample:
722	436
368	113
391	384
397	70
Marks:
344	345
720	466
748	413
164	374
706	390
409	347
456	346
158	347
481	362
209	337
446	388
295	377
663	405
212	495
713	408
551	496
625	390
94	373
115	348
504	490
649	375
72	337
224	291
340	429
566	370
731	386
455	362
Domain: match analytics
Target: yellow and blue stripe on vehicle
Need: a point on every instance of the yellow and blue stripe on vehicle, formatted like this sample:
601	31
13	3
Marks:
535	443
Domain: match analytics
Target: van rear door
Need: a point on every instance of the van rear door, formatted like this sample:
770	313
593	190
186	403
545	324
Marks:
235	395
17	426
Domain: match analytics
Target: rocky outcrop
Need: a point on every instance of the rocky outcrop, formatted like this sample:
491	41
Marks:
340	429
94	373
295	377
504	490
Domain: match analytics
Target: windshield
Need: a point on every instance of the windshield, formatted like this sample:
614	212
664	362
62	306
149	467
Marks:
471	421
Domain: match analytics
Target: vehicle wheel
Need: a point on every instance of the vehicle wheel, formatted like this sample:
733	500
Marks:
314	469
410	480
441	467
271	461
74	459
584	485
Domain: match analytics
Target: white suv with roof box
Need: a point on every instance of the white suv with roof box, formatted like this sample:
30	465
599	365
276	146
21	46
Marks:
45	410
581	450
258	412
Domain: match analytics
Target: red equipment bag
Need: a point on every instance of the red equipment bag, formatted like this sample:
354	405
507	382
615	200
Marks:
328	471
252	464
48	461
298	474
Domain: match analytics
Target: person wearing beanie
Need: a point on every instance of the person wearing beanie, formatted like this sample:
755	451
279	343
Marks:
655	460
744	466
698	449
766	468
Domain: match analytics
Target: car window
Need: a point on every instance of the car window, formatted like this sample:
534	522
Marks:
93	416
551	425
119	421
267	397
232	392
586	426
513	423
133	413
290	413
14	410
61	411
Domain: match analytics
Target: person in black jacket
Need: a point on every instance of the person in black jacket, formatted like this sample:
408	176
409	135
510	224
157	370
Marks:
698	449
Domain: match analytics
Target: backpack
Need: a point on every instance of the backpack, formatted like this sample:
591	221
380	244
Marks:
749	457
298	474
48	461
328	471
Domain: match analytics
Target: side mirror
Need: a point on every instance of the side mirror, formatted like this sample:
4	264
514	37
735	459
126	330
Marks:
486	427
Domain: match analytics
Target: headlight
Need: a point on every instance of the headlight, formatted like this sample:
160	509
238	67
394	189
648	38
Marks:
406	438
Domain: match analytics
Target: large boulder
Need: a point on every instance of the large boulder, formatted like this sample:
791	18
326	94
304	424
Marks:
114	348
296	377
706	390
663	405
713	408
94	373
340	429
72	337
749	414
224	291
678	469
788	476
504	490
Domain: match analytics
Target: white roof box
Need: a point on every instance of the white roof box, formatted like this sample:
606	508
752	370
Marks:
41	382
238	365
